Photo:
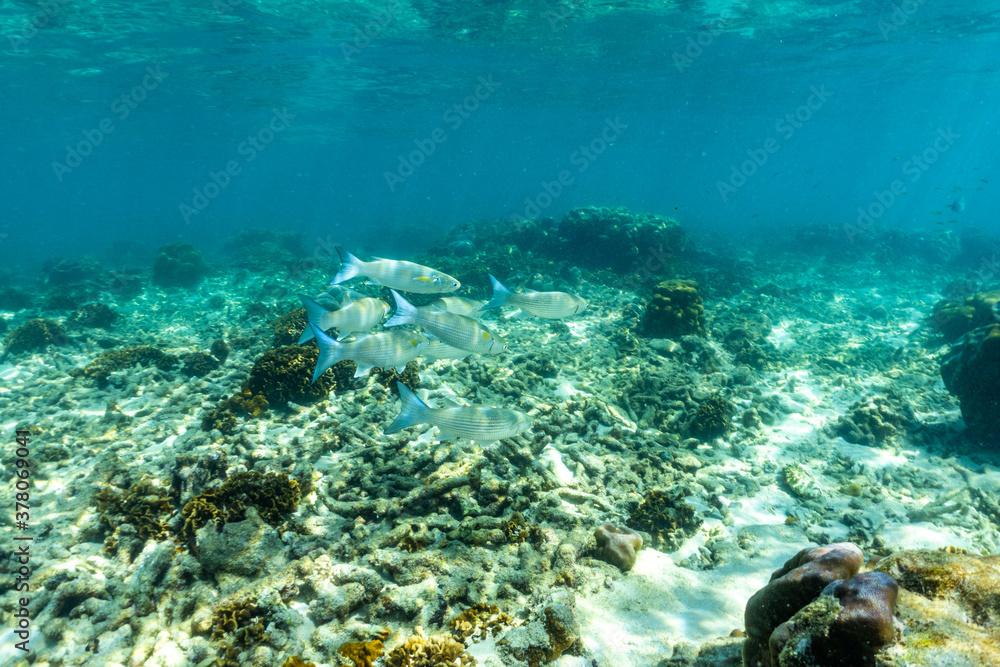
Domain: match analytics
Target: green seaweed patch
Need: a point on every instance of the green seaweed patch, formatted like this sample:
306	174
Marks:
289	327
35	335
666	517
285	374
101	368
273	495
142	505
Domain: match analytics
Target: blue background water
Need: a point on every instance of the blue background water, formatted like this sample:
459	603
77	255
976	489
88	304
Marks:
563	71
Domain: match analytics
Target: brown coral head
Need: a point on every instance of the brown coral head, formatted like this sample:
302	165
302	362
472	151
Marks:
617	545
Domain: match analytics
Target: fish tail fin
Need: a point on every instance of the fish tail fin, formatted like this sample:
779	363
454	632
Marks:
500	295
316	314
350	266
330	351
406	312
412	413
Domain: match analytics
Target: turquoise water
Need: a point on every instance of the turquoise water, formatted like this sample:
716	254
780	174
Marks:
698	87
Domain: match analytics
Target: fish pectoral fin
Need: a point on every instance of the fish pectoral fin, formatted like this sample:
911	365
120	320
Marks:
423	279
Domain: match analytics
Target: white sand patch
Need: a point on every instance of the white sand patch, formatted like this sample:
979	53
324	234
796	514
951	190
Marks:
637	621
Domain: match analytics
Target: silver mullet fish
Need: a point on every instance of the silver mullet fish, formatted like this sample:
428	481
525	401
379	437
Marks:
484	425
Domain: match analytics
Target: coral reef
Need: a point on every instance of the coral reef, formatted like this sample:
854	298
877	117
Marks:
749	346
598	237
34	335
224	416
94	315
667	518
949	604
801	579
198	364
846	625
543	639
179	265
423	651
712	420
954	318
674	310
13	299
971	371
101	368
363	654
64	271
875	420
618	546
479	622
285	374
143	506
388	377
260	250
273	496
288	328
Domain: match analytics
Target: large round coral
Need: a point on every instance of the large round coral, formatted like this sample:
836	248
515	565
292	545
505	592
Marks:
675	310
179	265
35	335
971	371
792	587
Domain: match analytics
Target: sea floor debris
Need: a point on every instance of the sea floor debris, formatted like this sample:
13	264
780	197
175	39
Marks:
823	420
